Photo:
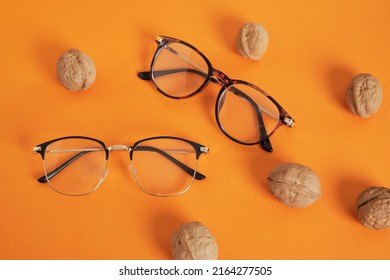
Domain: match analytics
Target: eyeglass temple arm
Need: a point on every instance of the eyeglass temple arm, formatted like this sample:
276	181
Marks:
51	174
264	140
190	171
146	75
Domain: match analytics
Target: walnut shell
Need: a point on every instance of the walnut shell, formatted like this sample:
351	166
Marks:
193	241
364	95
294	184
373	208
252	41
76	70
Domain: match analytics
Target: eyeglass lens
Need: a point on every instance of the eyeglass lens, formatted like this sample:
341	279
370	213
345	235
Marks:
158	166
245	114
81	165
179	71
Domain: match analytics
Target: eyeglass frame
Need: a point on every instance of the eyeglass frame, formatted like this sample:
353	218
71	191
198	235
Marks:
218	77
198	148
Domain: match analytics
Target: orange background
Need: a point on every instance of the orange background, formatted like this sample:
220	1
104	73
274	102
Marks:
314	51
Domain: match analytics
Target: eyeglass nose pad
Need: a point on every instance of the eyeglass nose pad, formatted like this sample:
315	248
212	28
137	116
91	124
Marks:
133	171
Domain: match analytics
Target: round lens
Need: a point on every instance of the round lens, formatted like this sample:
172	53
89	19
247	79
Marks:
245	114
179	71
164	166
75	166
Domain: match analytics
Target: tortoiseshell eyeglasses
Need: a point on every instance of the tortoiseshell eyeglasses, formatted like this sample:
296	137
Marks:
244	112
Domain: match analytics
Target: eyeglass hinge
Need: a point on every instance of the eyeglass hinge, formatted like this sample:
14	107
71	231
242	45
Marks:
289	122
37	149
204	149
159	39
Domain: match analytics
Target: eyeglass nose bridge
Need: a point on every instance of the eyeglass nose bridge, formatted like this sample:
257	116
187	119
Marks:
220	78
119	148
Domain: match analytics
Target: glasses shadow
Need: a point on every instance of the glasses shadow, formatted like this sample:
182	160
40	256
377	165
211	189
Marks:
146	39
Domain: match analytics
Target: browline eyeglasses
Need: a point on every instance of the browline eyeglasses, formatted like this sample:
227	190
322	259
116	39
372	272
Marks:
161	166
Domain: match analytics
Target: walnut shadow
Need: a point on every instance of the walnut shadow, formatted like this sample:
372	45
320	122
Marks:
163	226
228	28
338	78
348	192
48	55
259	166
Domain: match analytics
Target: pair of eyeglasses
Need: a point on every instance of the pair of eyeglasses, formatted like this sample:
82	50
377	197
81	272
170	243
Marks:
162	166
244	112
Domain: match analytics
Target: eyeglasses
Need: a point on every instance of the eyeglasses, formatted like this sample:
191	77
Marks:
162	166
244	112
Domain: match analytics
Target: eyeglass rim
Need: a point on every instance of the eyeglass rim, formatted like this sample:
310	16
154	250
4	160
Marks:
282	120
199	148
162	41
41	148
186	188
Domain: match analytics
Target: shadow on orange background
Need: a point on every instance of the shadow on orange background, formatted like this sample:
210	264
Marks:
313	53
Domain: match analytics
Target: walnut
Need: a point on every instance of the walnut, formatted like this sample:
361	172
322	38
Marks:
373	208
76	70
364	95
252	41
295	185
193	241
